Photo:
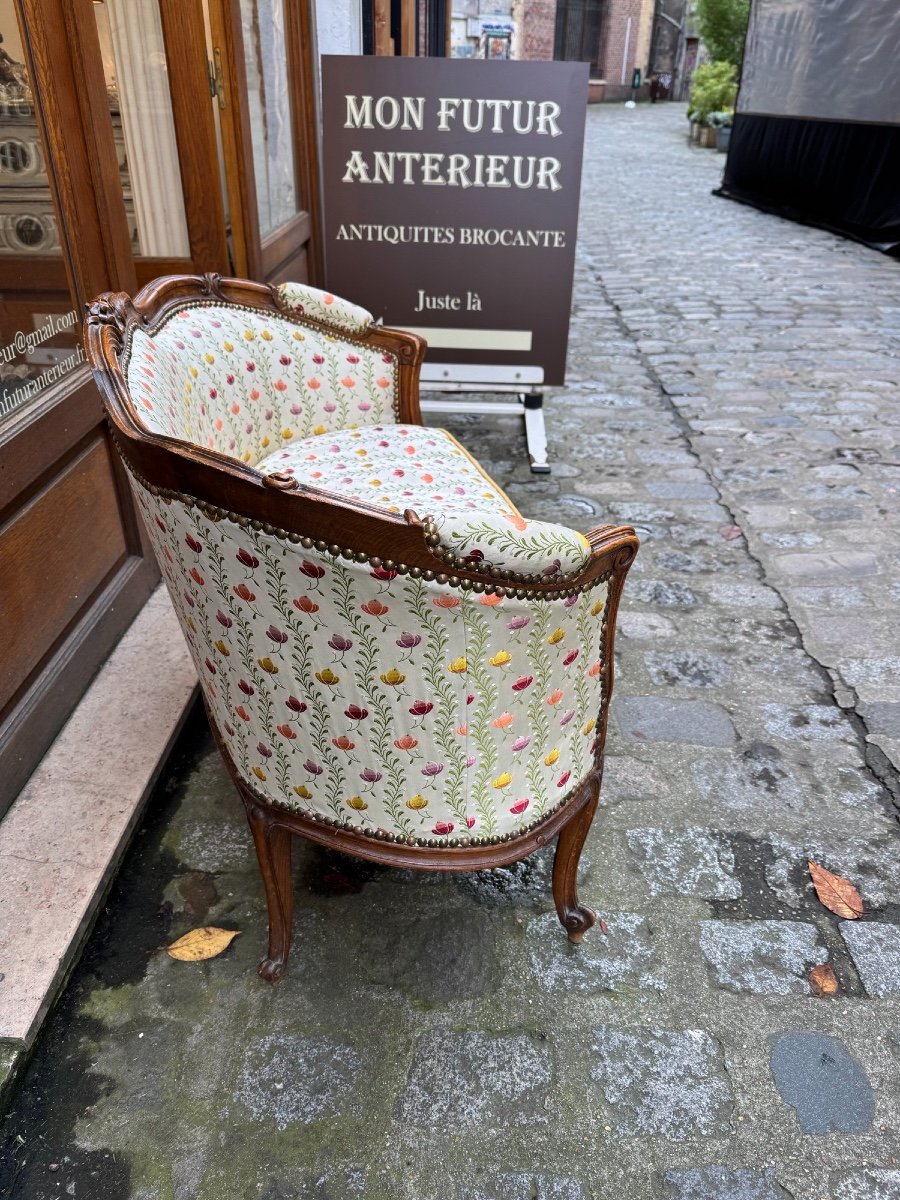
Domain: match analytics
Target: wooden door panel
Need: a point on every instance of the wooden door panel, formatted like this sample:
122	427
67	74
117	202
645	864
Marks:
293	270
285	245
64	542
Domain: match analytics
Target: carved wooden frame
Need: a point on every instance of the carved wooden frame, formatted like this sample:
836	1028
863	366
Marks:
280	505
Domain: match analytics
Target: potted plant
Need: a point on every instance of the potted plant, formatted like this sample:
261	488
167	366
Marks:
713	90
721	122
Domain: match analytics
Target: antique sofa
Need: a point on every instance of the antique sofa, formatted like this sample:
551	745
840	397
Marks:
395	662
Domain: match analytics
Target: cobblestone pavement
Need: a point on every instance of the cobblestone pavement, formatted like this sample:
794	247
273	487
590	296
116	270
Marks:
733	394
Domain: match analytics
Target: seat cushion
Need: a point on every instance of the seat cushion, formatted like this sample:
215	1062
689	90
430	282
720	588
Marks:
397	467
394	467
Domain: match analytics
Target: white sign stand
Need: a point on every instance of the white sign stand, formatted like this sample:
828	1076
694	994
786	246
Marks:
523	382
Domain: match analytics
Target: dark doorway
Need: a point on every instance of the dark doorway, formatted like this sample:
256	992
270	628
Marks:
580	32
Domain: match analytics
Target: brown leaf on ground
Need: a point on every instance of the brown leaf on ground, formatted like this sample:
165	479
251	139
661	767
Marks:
823	980
836	893
603	927
199	944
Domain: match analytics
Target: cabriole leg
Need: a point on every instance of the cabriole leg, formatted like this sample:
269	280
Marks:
273	850
576	918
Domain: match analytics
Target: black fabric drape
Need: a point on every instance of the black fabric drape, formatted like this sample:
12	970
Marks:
839	175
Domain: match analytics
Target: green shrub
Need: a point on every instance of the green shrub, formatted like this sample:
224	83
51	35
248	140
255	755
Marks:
723	24
713	89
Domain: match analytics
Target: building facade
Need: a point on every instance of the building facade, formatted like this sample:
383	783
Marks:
617	37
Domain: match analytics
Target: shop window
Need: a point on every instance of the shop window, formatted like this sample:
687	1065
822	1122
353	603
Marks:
39	335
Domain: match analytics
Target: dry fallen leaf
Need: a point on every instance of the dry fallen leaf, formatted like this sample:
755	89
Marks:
823	980
603	927
202	943
836	893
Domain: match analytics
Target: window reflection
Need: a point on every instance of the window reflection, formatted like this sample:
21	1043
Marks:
39	334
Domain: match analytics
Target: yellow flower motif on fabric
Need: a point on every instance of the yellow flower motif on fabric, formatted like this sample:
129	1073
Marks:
264	442
298	336
320	429
551	758
249	335
393	677
357	802
267	665
584	541
597	608
228	346
416	802
500	659
191	624
246	456
287	433
222	648
556	636
194	372
303	792
259	773
328	677
589	727
459	666
210	358
266	336
502	781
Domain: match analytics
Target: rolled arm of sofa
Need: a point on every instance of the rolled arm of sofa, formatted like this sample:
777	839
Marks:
511	543
322	306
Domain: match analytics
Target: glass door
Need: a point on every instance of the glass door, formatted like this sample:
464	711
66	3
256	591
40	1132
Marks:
262	55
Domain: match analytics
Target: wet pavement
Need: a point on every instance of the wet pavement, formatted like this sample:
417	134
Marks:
732	392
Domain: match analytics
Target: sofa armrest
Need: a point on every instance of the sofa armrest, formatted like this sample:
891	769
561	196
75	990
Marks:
323	306
511	543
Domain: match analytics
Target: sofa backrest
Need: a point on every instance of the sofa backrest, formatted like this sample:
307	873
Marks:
245	381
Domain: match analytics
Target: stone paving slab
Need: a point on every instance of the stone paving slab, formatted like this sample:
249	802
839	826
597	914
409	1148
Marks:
732	383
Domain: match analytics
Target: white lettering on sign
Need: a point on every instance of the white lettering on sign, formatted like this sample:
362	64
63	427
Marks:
455	170
526	116
447	235
364	112
453	113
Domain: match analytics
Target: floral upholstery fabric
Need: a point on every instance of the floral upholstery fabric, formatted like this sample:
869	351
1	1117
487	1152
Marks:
366	695
244	382
305	301
402	466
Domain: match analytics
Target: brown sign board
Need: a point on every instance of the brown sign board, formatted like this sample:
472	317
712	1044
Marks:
451	203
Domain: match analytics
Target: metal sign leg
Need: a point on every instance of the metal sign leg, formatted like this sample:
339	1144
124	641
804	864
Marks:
535	433
529	405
